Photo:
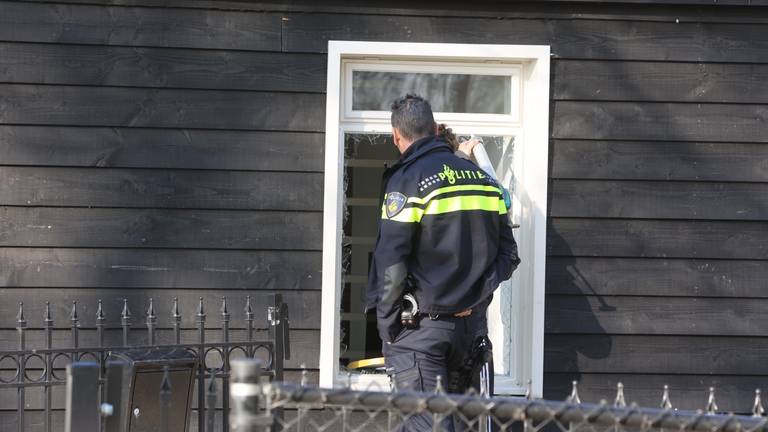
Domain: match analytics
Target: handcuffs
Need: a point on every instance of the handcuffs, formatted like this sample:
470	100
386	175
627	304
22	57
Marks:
410	312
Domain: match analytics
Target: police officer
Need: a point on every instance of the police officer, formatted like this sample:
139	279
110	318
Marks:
445	239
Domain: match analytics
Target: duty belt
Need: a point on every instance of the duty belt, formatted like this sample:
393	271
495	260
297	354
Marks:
410	312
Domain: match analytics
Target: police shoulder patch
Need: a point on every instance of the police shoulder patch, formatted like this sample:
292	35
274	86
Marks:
395	203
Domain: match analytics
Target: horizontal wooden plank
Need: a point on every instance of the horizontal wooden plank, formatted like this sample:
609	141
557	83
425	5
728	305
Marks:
302	305
687	392
679	2
660	81
161	148
660	121
99	25
655	354
656	315
656	277
87	187
161	67
194	109
659	200
586	9
199	229
131	269
583	39
626	160
653	238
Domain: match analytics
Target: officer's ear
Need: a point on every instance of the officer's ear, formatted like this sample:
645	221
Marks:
397	138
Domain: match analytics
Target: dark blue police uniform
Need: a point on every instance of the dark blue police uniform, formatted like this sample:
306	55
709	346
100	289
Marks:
445	237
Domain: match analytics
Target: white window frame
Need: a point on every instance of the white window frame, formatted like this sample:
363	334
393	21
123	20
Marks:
453	119
530	123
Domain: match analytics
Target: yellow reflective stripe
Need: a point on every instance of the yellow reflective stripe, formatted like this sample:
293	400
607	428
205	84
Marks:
447	189
408	215
447	205
461	203
503	207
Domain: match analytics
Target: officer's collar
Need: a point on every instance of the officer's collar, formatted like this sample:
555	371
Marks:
421	147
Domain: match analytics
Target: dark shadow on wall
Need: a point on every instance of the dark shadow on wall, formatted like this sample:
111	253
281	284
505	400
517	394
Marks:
572	329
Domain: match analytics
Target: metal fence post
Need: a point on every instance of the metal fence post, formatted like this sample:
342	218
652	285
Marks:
201	366
75	331
276	334
244	393
82	405
225	365
176	320
21	327
47	399
151	322
279	330
125	322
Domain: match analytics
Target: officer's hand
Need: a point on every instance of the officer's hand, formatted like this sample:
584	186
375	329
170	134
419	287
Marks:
467	146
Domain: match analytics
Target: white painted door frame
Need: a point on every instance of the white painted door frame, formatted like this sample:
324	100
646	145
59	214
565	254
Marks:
531	123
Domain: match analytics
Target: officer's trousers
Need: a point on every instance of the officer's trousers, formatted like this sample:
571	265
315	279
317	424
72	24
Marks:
440	347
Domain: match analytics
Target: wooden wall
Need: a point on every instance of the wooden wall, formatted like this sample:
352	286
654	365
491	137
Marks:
176	150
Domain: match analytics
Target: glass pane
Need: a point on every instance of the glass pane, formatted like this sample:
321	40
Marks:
365	155
501	152
454	93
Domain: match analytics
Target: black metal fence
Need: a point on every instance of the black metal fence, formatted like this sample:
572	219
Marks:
42	368
318	409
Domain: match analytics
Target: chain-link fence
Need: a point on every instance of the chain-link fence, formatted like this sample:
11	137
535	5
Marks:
308	408
258	404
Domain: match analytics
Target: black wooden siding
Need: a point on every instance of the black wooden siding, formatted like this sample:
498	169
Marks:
177	151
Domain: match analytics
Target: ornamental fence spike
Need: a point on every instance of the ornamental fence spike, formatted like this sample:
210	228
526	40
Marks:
349	380
248	309
529	390
224	311
620	401
711	404
100	312
175	309
757	407
151	310
200	310
47	314
665	402
73	315
574	396
20	320
125	315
